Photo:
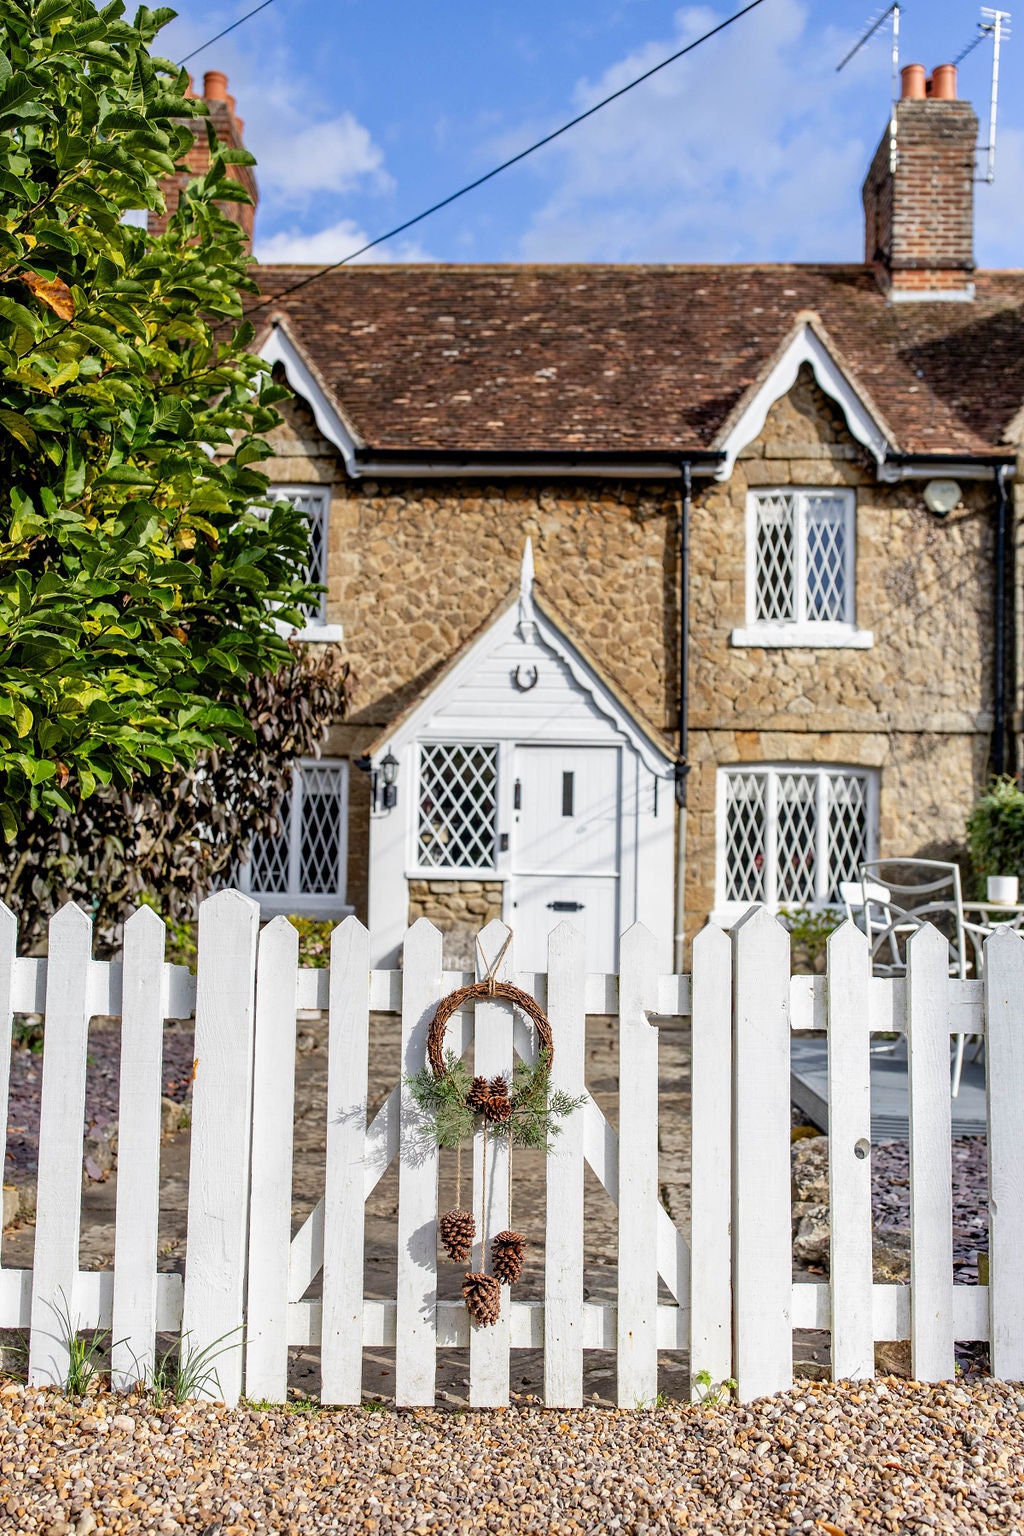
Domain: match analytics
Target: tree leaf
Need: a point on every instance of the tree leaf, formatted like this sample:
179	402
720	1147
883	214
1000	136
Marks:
53	292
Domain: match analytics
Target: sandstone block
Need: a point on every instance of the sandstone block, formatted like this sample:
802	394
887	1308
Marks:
809	1167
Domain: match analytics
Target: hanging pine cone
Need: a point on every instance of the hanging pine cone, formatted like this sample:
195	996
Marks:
498	1087
478	1096
498	1109
458	1229
482	1295
508	1256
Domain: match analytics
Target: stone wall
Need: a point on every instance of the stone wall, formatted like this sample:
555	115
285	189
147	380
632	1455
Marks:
459	908
415	571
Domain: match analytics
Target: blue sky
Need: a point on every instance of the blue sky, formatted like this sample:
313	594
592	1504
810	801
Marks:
751	149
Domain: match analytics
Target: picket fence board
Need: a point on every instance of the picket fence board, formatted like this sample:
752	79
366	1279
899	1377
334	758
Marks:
849	1153
891	1308
492	1057
92	1299
563	1247
931	1156
1004	1045
415	1346
887	1005
711	1159
341	1364
762	1236
103	987
637	1345
218	1186
61	1115
137	1213
273	1136
8	964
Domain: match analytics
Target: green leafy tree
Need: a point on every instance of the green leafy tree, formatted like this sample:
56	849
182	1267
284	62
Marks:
995	832
140	559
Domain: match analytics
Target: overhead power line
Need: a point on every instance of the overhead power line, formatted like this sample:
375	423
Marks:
471	186
233	27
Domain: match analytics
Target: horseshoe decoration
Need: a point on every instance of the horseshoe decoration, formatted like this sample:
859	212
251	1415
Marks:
525	678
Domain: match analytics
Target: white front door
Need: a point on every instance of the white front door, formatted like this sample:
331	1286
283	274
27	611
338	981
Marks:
566	851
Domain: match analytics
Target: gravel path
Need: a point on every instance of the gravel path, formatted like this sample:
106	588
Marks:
867	1458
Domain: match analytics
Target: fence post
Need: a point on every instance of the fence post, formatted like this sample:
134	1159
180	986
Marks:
637	1324
139	1117
218	1186
849	1153
273	1134
762	1209
711	1159
8	954
416	1339
492	1057
931	1156
1004	1073
61	1126
341	1349
563	1249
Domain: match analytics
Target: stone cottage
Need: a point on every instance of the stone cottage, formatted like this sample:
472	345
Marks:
666	589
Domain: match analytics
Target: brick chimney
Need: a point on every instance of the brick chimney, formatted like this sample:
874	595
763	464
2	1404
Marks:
228	129
919	218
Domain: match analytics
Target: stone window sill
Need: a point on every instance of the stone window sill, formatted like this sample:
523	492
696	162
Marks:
809	636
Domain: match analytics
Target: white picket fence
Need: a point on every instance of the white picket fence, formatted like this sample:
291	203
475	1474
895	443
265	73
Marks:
734	1305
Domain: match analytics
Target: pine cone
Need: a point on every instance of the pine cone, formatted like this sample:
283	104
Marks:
498	1109
508	1256
478	1096
458	1229
498	1087
482	1295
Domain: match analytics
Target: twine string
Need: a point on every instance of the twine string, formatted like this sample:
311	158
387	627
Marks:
491	979
458	1177
483	1206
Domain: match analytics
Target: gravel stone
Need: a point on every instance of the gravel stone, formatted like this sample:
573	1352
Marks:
876	1458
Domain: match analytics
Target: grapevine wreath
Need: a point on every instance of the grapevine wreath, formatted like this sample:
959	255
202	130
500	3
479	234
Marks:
525	1114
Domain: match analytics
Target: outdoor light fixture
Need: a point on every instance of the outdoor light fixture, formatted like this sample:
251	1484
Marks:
389	773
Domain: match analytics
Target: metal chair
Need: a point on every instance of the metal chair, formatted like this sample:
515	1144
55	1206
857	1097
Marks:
899	896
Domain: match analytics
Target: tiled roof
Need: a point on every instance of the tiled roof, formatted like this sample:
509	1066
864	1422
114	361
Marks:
629	358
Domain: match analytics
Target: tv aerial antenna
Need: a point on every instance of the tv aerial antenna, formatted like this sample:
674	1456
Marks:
865	37
994	25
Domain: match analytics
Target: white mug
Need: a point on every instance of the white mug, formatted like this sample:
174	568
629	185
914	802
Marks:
1002	890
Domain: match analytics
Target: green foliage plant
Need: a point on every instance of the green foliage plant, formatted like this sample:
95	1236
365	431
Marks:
85	1350
537	1108
995	832
142	562
712	1394
183	1372
809	928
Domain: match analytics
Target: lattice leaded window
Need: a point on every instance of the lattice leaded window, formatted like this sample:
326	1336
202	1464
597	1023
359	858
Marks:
458	805
791	835
801	557
306	858
316	505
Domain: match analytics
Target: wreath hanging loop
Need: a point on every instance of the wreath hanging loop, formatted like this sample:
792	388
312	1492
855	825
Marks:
490	987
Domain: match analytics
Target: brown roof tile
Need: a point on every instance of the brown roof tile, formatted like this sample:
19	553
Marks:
622	358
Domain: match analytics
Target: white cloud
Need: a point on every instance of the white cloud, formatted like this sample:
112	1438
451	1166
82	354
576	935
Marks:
334	156
749	149
332	244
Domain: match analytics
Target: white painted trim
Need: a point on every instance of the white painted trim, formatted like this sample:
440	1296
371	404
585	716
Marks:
808	636
890	474
725	913
313	634
280	348
963	295
805	347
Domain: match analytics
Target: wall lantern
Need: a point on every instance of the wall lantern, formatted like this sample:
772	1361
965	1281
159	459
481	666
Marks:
389	773
941	496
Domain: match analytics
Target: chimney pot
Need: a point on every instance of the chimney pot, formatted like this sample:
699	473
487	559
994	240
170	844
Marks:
215	85
912	83
231	103
943	83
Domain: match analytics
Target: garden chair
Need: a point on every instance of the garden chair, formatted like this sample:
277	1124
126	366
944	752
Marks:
899	896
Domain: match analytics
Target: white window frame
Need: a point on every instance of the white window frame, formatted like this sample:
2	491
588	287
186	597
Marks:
726	911
802	631
316	627
326	904
493	871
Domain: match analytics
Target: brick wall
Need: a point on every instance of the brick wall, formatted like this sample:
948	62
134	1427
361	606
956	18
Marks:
228	128
919	224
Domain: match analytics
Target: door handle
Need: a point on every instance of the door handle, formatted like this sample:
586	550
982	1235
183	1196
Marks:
565	906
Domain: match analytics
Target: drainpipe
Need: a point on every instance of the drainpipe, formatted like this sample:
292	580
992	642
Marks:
999	684
682	766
